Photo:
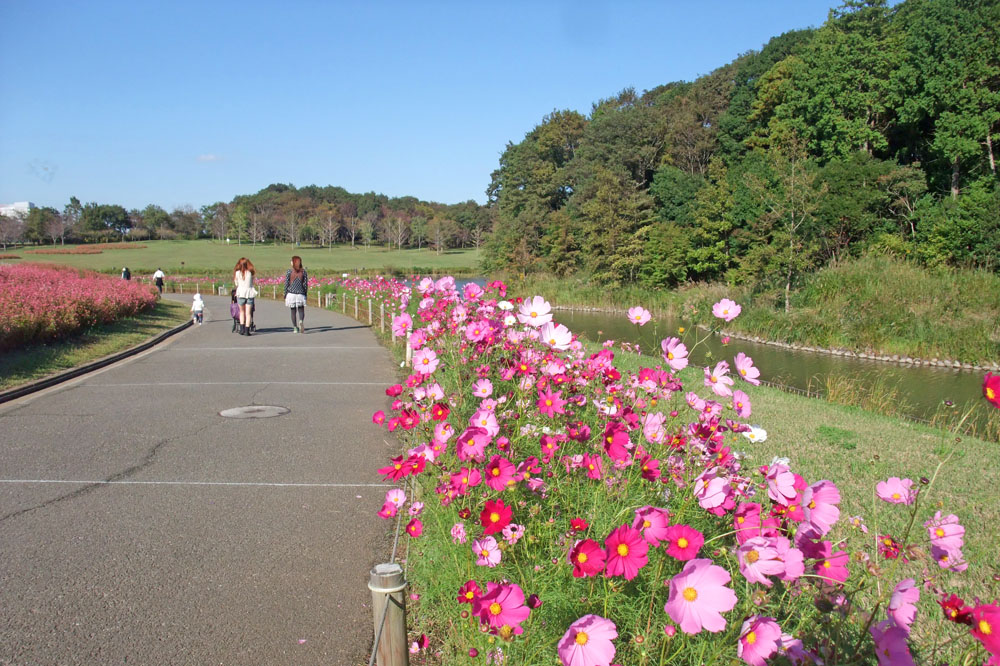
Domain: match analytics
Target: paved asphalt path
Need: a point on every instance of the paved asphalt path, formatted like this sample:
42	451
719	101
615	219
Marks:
138	526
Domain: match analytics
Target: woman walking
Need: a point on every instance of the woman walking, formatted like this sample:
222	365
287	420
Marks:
296	289
245	292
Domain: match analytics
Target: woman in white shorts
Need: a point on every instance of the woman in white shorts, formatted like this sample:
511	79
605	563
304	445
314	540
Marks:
245	292
296	289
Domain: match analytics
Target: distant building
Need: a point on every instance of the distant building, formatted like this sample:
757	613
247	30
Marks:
16	209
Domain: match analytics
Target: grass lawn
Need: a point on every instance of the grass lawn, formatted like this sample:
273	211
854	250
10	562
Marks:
35	362
212	257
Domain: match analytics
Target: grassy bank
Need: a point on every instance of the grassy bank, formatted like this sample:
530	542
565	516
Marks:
34	362
873	304
209	257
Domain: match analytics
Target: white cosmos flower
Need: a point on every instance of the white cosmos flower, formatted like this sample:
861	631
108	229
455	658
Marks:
755	434
535	312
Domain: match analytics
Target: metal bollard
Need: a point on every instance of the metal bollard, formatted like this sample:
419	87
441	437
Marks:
387	585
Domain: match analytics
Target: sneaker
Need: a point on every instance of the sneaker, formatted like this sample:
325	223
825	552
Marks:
302	328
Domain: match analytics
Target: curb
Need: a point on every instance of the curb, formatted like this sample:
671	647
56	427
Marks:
27	389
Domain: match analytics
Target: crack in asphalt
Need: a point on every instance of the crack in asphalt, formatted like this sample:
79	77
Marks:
147	460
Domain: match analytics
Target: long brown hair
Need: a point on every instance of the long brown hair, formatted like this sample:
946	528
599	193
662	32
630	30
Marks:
244	265
296	266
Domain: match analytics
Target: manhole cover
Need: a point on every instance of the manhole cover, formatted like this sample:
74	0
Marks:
254	412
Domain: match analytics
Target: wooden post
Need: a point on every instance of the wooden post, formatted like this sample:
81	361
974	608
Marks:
387	586
369	312
274	291
381	316
318	296
409	354
355	306
344	299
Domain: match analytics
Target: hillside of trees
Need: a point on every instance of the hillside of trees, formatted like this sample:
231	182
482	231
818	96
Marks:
876	132
277	213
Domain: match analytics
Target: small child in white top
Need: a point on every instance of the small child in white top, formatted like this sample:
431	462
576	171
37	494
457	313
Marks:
198	309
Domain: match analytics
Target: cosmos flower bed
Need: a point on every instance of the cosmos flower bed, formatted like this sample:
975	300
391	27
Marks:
563	510
39	303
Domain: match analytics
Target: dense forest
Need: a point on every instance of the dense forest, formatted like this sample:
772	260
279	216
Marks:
876	132
277	213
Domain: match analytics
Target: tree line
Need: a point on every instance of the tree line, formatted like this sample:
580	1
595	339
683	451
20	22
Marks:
876	132
277	213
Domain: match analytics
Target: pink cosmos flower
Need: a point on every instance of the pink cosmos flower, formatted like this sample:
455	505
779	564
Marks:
945	532
653	523
829	564
425	361
890	644
745	369
472	443
780	484
550	402
395	496
483	388
468	593
741	404
587	558
378	418
674	353
477	330
587	642
499	473
626	551
953	560
819	506
487	552
556	336
502	605
758	559
487	420
513	533
717	379
710	490
759	638
698	597
903	603
793	559
986	626
726	310
465	479
896	490
639	315
388	510
401	325
458	533
535	312
684	542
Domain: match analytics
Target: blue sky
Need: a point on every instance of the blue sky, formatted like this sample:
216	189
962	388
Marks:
187	103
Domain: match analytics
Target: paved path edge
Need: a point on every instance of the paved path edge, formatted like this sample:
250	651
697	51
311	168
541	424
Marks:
38	385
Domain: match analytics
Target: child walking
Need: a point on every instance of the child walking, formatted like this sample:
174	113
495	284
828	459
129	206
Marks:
198	309
234	311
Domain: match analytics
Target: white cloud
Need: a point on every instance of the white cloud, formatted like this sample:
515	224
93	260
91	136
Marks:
209	157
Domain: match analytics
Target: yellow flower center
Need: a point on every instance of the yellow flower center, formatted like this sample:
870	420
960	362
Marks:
426	361
638	317
465	479
826	564
895	496
622	549
486	553
670	356
552	341
990	393
743	372
984	627
496	471
751	638
582	558
682	543
713	379
753	556
495	608
740	520
939	532
548	403
398	466
494	517
812	505
690	594
646	524
534	314
469	595
582	638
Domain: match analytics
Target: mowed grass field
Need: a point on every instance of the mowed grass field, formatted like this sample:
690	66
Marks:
210	257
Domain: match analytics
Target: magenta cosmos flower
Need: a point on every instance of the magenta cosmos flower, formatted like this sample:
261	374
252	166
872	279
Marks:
499	473
991	389
759	638
535	312
550	402
627	552
415	528
726	310
986	627
699	596
745	369
587	558
684	542
502	605
639	315
587	642
675	354
896	490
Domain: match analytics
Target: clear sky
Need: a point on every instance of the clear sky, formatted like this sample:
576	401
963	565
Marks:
188	103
